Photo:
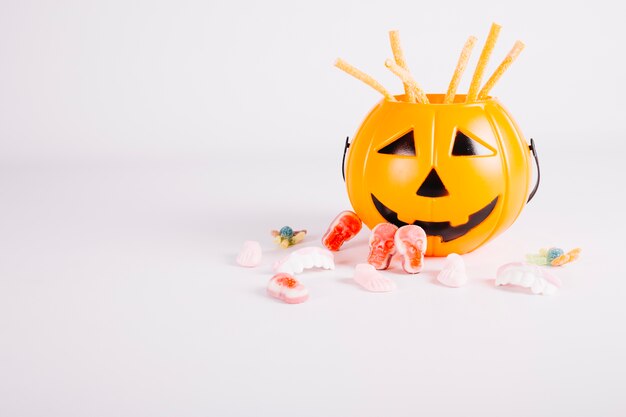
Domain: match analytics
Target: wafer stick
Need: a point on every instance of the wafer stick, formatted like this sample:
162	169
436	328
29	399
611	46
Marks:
460	69
406	78
482	62
358	74
504	65
398	55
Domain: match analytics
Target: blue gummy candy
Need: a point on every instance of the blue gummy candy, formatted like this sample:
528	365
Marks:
286	232
554	253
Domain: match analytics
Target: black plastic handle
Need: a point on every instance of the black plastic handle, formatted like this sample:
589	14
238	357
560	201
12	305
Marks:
343	161
533	149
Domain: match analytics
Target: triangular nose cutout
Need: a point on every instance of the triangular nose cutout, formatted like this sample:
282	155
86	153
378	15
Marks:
432	186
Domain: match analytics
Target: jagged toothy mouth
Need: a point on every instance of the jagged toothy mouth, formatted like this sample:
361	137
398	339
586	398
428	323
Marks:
443	229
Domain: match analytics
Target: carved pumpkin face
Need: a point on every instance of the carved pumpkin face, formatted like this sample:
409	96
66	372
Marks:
460	171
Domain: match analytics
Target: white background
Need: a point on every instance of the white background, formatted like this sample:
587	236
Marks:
142	142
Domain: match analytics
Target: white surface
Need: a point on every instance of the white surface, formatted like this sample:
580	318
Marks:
120	296
135	163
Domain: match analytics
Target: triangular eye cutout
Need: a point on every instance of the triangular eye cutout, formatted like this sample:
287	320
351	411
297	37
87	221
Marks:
465	146
404	145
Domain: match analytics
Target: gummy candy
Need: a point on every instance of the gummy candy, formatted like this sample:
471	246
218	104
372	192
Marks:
453	273
250	254
411	244
538	280
305	258
553	257
382	246
570	256
369	278
286	236
343	228
286	232
285	287
554	253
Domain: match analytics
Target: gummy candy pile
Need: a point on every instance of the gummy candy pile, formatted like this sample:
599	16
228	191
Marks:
386	240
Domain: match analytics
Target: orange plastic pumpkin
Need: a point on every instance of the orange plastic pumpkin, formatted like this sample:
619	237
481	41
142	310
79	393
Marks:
461	171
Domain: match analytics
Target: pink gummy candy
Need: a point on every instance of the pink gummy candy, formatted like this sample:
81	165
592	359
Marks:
382	246
250	254
411	244
343	228
453	272
285	287
369	278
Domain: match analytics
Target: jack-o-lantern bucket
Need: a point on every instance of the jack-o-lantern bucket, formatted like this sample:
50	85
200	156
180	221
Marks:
456	165
461	171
